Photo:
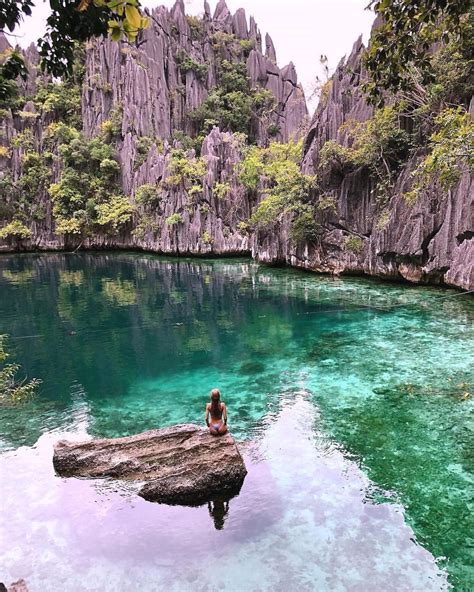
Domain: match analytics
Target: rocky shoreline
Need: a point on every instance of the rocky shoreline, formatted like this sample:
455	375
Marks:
355	229
112	246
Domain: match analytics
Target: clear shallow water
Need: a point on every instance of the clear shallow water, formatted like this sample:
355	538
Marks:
358	431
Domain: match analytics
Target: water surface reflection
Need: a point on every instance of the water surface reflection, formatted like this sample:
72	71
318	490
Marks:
303	518
129	342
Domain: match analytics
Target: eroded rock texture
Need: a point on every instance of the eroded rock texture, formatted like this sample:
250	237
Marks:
149	94
182	464
157	93
430	241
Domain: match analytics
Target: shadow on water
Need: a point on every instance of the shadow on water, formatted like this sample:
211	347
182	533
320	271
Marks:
218	510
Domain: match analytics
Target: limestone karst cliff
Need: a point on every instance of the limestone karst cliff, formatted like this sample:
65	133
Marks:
158	107
150	93
429	241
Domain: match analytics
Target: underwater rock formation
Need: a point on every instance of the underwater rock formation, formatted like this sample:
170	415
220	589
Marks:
182	464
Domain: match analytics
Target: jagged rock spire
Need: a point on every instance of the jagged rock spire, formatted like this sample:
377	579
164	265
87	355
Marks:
289	73
222	12
254	33
240	24
178	7
270	52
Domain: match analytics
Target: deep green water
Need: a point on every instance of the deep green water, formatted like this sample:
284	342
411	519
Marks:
351	396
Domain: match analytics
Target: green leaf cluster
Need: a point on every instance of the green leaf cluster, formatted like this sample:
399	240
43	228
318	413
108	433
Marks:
12	390
145	224
147	195
188	64
353	243
114	213
196	26
174	219
207	238
15	230
404	38
276	171
63	99
187	142
111	128
12	66
88	193
232	104
221	190
451	151
379	144
23	201
185	171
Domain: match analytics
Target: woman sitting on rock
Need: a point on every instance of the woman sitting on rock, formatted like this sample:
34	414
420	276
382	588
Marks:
216	414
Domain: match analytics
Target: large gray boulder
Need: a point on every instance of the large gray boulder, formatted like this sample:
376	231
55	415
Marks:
182	464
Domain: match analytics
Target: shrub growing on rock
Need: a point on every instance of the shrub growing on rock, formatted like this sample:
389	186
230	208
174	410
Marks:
174	219
15	230
147	195
286	189
354	243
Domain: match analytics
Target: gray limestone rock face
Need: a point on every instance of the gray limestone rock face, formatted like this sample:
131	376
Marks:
182	464
428	242
156	94
270	52
291	111
239	24
145	90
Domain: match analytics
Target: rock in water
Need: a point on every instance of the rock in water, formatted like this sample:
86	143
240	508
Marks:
19	586
181	464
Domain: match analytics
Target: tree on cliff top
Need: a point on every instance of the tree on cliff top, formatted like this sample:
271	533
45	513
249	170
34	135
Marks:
68	23
404	37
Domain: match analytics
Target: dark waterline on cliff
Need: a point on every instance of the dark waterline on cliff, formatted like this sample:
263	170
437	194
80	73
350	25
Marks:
129	342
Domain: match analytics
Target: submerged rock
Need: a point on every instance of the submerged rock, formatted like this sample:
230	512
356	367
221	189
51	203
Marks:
182	464
19	586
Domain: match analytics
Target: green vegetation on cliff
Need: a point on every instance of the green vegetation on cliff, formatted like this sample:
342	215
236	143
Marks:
56	177
275	171
233	104
427	117
404	37
88	194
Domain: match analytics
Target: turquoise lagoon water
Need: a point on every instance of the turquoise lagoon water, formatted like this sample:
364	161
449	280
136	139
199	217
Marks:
353	401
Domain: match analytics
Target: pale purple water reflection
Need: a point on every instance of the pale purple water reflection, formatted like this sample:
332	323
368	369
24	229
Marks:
304	519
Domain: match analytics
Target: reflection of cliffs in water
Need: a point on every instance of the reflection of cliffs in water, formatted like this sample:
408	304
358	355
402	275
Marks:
145	338
110	326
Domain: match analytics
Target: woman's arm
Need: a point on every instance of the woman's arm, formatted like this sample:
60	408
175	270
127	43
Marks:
224	413
207	415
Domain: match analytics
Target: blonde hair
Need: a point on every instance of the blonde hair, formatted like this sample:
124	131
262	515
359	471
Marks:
216	408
